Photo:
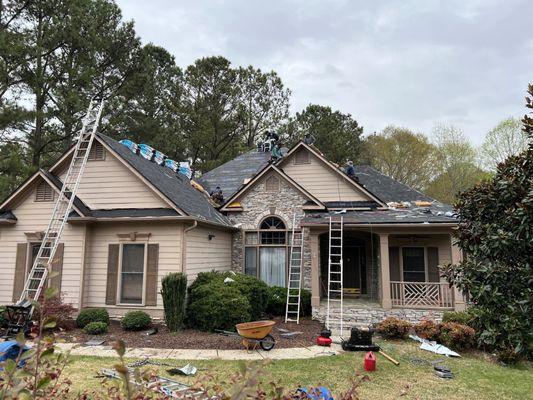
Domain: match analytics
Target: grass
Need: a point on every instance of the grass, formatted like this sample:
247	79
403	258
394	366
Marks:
476	377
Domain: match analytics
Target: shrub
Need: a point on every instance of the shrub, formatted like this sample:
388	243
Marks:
508	356
173	291
216	305
135	321
461	317
277	301
393	328
255	290
55	307
457	336
89	315
95	328
427	329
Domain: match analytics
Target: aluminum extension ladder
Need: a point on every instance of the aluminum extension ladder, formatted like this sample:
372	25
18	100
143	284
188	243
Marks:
63	206
334	312
294	287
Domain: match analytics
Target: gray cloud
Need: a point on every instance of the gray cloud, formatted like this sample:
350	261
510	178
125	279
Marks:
409	63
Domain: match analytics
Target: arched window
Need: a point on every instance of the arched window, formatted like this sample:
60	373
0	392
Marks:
266	251
272	223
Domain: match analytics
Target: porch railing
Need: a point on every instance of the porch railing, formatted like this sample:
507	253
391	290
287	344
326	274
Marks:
421	294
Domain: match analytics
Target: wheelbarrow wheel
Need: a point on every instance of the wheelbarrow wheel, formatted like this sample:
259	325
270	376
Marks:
267	343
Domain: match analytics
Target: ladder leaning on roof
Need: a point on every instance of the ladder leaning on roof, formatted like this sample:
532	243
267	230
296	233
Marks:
294	287
63	206
334	312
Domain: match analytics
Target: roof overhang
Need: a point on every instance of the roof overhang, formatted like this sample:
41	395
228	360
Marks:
271	167
179	218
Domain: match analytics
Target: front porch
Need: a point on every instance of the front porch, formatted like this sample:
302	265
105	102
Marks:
387	272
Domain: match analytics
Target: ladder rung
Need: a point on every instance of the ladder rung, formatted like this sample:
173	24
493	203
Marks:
335	281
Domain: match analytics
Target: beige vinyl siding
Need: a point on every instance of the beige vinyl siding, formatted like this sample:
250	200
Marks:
442	242
204	255
166	234
108	184
34	216
322	182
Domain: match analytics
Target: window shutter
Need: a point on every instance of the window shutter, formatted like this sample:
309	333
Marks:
151	275
44	192
112	274
433	264
96	152
272	184
57	268
302	157
20	270
394	263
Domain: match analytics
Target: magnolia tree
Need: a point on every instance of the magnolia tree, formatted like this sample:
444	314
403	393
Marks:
496	234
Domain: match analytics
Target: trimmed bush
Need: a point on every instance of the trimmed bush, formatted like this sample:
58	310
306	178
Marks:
56	307
393	328
461	317
135	321
457	336
255	290
173	291
216	305
89	315
278	299
95	328
427	329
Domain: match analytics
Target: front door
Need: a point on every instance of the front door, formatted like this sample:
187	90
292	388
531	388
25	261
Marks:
352	270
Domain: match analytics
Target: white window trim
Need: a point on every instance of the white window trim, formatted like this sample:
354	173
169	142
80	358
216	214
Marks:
426	274
119	280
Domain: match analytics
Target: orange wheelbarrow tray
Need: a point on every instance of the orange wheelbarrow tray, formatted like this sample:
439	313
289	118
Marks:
254	333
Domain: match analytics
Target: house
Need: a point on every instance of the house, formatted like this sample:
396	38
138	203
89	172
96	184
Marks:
134	221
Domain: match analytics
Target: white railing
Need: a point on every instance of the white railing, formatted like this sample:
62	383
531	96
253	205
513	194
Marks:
421	294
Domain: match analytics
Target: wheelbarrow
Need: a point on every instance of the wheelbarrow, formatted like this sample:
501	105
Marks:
253	334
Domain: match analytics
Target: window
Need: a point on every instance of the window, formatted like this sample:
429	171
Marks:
414	264
302	157
272	184
265	252
97	152
132	273
44	192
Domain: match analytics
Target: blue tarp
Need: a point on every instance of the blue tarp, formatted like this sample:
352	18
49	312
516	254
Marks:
11	350
318	393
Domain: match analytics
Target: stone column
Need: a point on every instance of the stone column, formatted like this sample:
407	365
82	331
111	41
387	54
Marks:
459	300
385	270
315	270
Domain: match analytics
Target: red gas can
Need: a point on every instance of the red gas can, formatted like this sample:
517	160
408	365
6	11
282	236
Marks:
370	362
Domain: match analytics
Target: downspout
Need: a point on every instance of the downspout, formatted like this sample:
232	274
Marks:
184	247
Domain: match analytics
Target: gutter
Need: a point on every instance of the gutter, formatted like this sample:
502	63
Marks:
184	246
137	219
417	224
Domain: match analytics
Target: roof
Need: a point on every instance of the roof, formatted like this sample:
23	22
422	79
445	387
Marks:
7	216
174	186
78	203
417	215
230	176
387	188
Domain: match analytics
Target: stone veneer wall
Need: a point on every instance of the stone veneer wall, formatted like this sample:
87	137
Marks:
259	203
363	317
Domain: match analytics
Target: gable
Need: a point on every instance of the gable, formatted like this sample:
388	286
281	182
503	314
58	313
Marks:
108	184
272	183
319	179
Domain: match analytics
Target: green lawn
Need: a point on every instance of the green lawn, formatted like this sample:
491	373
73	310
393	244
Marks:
476	376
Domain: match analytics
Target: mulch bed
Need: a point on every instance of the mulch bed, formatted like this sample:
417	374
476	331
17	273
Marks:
193	339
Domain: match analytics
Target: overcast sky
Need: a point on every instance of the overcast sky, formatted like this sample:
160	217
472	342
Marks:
407	63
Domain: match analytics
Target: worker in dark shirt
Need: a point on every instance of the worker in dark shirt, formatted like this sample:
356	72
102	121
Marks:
350	170
309	139
217	196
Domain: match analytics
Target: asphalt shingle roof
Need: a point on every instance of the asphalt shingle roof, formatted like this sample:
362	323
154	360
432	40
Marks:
231	175
175	187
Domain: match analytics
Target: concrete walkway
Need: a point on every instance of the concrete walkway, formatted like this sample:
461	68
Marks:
193	354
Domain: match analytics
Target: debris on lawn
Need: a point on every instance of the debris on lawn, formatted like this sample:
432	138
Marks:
94	342
361	340
152	331
434	347
187	370
443	371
